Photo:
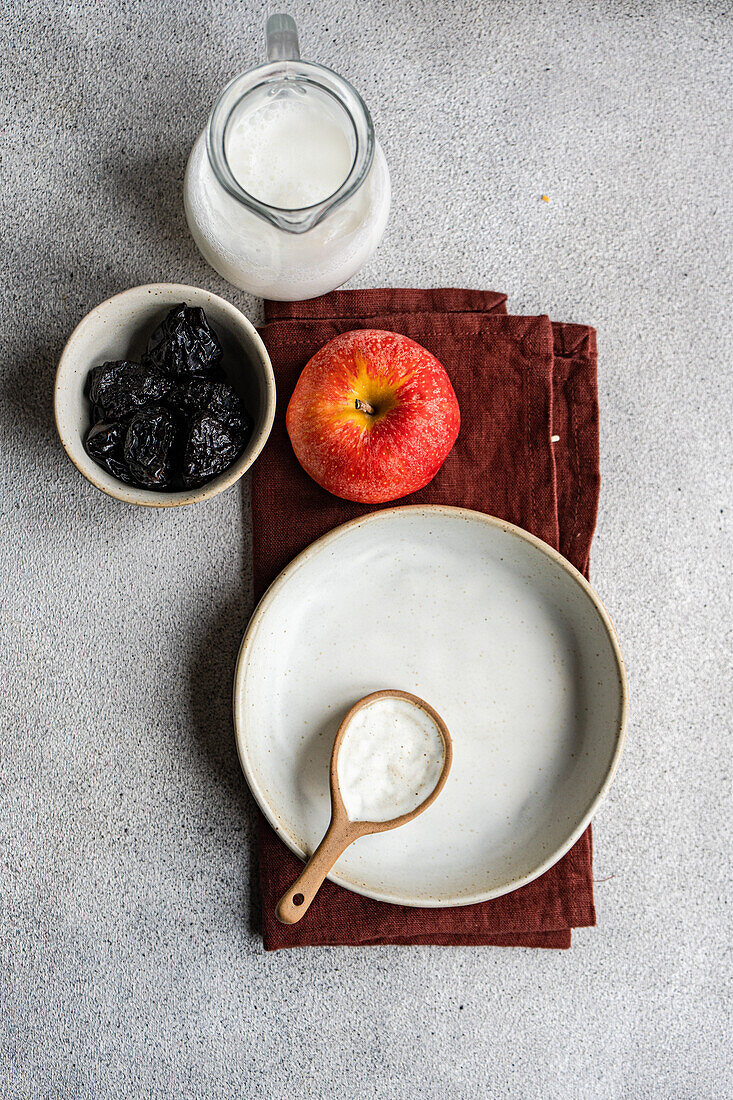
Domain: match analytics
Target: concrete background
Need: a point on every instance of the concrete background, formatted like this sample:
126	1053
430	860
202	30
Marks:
131	965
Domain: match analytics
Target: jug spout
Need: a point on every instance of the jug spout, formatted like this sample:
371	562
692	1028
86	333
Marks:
300	221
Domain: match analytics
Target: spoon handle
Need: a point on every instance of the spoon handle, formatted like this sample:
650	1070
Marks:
296	901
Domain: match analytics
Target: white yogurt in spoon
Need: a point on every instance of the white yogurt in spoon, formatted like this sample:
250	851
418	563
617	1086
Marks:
390	760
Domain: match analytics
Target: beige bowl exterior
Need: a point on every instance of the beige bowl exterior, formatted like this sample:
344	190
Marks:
118	329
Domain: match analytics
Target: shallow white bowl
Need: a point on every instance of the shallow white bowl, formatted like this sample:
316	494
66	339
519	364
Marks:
491	626
119	329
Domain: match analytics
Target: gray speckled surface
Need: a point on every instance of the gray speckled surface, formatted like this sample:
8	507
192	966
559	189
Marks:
130	961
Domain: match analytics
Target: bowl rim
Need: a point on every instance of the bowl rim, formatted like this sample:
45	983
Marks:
150	498
243	659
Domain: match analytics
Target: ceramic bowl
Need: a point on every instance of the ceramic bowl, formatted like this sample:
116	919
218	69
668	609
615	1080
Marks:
489	625
118	329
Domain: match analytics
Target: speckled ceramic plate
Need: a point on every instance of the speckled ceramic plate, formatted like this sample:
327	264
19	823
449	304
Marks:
492	627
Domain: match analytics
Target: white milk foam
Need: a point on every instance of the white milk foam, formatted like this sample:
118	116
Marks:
390	760
289	151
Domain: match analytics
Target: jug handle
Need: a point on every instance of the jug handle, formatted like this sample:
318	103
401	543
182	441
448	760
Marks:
282	38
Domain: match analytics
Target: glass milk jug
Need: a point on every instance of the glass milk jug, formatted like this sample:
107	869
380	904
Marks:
287	191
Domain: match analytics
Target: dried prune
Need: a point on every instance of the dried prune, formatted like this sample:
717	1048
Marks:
209	450
192	396
105	444
226	405
150	444
184	343
199	395
117	389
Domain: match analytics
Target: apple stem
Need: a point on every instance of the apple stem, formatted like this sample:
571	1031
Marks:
364	406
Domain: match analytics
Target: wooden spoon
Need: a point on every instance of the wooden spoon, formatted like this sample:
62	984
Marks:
342	831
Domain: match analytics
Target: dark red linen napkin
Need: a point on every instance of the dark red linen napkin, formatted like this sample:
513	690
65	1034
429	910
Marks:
519	382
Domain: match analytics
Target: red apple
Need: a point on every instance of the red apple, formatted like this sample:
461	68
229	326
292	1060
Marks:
373	416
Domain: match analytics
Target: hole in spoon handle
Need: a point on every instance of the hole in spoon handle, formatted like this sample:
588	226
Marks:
296	901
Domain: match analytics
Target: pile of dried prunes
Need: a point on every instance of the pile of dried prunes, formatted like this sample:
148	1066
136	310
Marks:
171	421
